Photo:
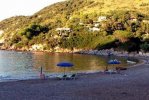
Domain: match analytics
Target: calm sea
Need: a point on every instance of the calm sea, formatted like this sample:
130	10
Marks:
26	65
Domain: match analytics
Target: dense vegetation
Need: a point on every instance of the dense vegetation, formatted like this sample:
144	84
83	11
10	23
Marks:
124	29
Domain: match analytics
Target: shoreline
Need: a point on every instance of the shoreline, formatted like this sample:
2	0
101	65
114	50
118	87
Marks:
143	62
90	52
51	76
131	84
104	52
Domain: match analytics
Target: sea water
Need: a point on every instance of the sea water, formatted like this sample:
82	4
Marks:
16	65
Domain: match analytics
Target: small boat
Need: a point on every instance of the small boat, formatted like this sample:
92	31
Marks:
131	62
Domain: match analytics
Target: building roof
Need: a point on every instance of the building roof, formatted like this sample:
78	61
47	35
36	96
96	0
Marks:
63	29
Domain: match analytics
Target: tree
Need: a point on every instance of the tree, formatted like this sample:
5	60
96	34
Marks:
145	47
33	30
122	36
129	46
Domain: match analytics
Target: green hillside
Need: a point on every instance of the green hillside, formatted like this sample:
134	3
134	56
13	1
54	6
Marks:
75	24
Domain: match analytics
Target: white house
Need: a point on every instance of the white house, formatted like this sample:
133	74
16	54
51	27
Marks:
63	31
1	32
102	18
145	21
37	47
96	24
81	23
94	29
133	19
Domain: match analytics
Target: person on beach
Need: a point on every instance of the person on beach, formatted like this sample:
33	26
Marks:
42	76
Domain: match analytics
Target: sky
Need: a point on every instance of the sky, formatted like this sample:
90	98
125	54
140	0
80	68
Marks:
9	8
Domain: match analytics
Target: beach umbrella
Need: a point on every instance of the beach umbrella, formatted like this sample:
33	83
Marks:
64	65
113	62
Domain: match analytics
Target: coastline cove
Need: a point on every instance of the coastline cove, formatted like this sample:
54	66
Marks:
19	65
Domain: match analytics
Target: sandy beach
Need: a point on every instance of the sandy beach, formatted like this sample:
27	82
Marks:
132	84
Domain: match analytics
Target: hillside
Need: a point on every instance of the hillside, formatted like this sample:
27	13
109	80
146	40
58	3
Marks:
40	28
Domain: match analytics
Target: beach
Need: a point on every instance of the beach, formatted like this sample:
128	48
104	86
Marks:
131	84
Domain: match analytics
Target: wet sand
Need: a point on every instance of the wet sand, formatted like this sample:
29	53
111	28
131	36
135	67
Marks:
132	84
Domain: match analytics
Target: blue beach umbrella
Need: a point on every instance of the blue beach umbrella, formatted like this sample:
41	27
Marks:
64	65
113	62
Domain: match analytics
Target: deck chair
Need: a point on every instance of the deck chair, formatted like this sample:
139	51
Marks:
63	77
71	77
111	72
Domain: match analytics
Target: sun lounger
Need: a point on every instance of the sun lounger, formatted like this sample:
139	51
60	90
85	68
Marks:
71	77
63	77
110	72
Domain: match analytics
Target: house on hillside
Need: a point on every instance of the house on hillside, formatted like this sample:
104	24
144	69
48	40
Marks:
1	32
94	29
102	18
96	23
64	32
81	23
63	29
133	19
37	47
146	21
